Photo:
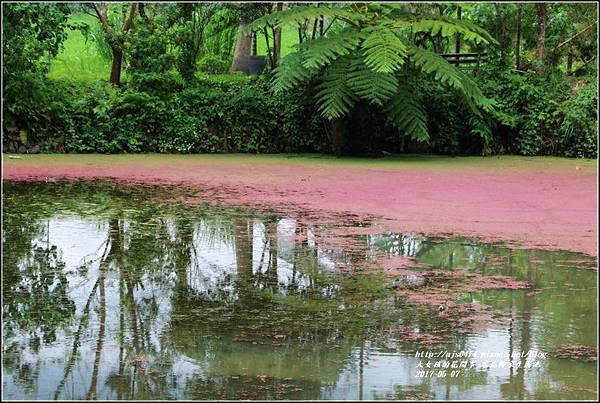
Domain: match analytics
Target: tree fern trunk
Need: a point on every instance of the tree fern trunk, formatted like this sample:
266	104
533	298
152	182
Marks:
337	136
458	36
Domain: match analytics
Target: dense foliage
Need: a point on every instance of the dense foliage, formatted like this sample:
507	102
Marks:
375	59
373	73
208	116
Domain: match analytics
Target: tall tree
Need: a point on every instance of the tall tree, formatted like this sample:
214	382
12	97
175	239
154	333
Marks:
31	32
243	47
115	33
191	34
518	39
277	40
542	20
248	12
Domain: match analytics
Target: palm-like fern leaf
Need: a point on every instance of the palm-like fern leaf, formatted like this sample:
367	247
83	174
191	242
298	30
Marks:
370	85
334	97
383	51
321	51
299	14
432	63
291	71
405	112
447	27
364	59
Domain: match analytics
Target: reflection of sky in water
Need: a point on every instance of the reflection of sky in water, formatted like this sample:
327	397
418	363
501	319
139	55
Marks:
81	240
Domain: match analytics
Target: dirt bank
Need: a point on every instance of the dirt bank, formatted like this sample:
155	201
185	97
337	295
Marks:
539	202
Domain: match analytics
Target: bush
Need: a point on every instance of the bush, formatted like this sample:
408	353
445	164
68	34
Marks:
578	130
37	112
212	64
204	116
543	116
221	113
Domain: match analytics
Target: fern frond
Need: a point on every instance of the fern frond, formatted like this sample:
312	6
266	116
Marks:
406	113
383	51
447	27
334	97
291	72
298	15
432	63
320	51
370	85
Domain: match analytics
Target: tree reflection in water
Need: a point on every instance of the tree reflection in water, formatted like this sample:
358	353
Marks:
173	301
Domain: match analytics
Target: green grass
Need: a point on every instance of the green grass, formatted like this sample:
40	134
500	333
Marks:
404	161
79	59
289	38
227	77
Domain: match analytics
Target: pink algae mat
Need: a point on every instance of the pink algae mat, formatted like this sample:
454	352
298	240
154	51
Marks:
534	204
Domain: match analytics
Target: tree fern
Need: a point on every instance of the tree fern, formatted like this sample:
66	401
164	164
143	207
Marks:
446	27
383	51
370	85
432	63
321	51
406	112
334	96
367	59
291	72
298	15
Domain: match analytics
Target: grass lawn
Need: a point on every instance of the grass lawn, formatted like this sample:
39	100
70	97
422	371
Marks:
289	38
79	59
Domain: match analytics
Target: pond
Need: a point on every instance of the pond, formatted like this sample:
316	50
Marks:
123	292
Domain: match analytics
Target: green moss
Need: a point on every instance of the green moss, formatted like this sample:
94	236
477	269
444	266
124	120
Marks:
391	162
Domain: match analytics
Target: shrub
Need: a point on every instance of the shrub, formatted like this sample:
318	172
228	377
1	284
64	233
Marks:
213	64
543	117
219	113
578	130
204	116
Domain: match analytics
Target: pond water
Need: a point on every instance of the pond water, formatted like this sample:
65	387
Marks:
117	292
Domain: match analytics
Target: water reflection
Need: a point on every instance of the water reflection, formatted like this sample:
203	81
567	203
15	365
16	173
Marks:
112	293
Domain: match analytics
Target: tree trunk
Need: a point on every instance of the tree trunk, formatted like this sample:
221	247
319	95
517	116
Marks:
242	49
458	36
254	43
269	54
272	234
117	61
243	241
518	39
569	62
438	38
276	46
337	136
542	16
277	41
